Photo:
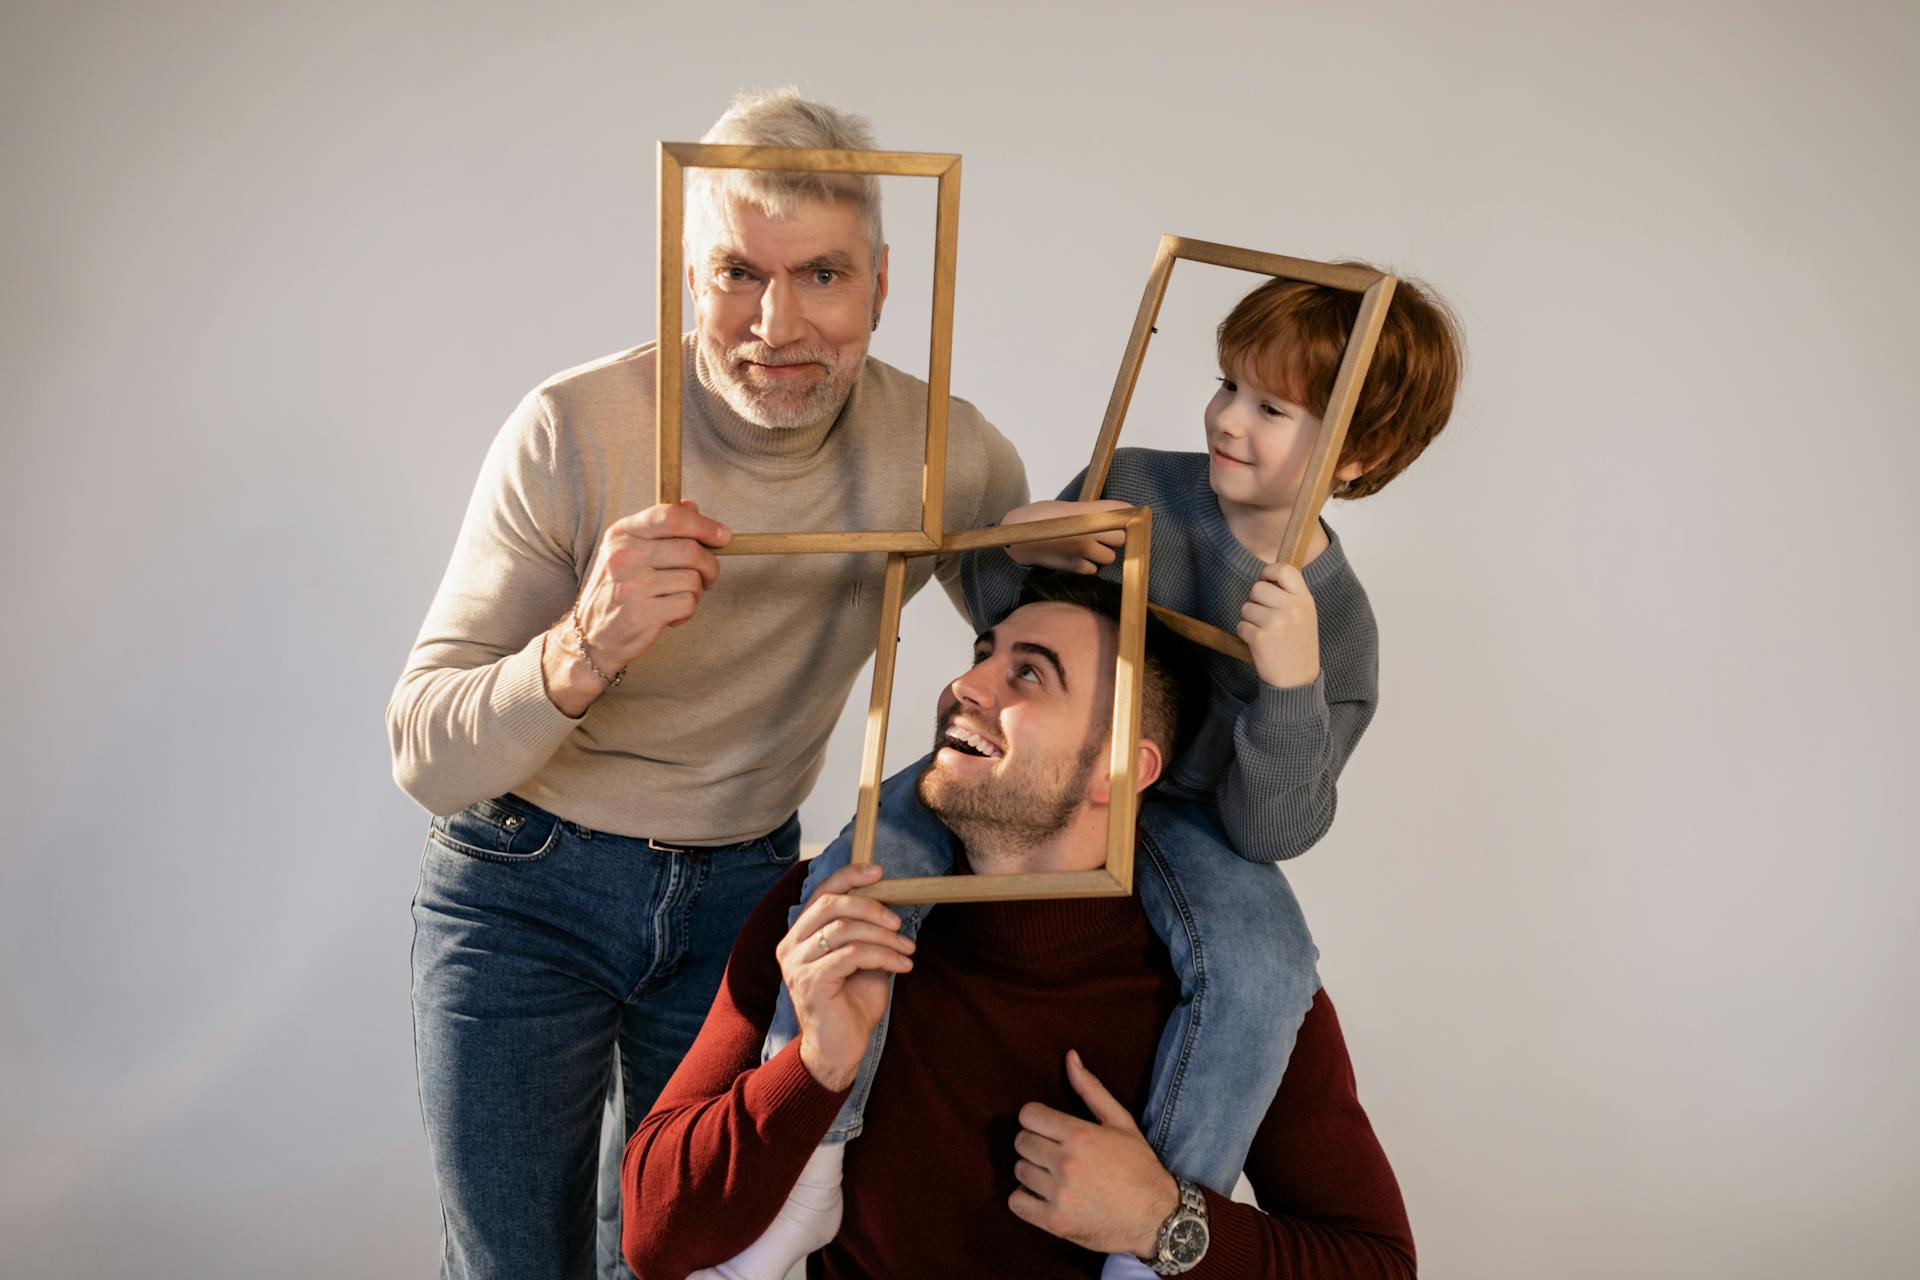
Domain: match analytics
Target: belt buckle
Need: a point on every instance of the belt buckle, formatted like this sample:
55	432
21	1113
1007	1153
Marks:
657	847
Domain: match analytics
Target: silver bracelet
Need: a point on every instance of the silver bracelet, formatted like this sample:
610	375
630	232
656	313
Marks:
581	634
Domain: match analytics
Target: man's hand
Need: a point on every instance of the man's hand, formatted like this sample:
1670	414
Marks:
1084	554
1282	627
649	574
835	961
1095	1183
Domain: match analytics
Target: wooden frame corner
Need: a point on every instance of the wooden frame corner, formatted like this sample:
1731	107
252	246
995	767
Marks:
674	159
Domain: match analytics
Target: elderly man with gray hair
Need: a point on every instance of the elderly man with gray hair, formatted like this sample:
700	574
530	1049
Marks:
612	732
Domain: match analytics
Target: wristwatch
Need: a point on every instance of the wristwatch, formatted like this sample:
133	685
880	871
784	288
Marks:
1183	1236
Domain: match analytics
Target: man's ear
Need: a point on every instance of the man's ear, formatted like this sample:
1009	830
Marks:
880	284
1147	764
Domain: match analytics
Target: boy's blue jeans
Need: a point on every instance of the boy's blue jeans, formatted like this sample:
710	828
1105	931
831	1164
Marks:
1239	944
539	948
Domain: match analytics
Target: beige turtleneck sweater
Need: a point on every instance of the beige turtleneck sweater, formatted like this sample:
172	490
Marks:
717	732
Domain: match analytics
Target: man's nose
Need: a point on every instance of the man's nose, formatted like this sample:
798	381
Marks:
780	320
973	687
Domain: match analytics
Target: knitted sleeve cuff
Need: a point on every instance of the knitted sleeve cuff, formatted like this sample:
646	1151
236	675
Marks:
784	1093
518	702
1282	710
1233	1240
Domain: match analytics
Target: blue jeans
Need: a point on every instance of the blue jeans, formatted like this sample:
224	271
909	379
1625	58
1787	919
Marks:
543	953
1238	943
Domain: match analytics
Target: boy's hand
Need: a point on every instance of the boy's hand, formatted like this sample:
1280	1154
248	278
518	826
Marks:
1282	627
1084	554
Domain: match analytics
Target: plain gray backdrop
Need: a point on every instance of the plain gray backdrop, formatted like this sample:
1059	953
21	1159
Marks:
1620	908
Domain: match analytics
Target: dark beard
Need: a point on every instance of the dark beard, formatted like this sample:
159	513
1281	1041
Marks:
999	818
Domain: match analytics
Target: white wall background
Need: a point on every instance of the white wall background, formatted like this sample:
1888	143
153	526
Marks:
1621	905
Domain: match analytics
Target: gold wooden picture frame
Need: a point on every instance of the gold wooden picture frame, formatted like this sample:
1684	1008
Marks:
1115	879
1376	291
675	158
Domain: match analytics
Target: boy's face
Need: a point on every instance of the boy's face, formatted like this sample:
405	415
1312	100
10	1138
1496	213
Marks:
1258	442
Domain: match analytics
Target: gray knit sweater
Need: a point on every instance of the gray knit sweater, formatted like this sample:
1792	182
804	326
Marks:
1269	757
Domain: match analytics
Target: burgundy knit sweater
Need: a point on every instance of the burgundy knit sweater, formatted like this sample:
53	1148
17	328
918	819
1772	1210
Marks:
998	994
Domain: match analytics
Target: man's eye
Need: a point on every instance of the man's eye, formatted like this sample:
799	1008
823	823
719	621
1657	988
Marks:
979	657
1027	671
735	275
825	277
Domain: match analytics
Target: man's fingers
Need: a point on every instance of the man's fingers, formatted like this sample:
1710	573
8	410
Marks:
671	520
809	921
1028	1207
851	876
673	582
1099	552
674	609
844	962
684	520
681	553
830	904
1103	1105
1048	1123
1042	1151
632	560
1034	1178
1113	537
845	933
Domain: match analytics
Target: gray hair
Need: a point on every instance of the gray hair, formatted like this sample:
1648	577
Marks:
782	118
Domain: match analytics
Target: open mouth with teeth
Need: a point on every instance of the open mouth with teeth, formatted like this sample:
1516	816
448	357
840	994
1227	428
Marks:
969	743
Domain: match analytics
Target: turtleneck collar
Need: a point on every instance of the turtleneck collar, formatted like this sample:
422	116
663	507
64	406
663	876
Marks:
704	405
1054	934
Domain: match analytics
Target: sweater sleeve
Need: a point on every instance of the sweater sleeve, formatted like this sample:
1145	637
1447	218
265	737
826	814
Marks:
712	1163
1289	746
470	717
1005	488
1329	1204
990	578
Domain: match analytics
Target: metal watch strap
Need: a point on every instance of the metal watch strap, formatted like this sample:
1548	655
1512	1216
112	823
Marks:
1192	1208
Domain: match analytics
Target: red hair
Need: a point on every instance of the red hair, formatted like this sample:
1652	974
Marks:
1291	335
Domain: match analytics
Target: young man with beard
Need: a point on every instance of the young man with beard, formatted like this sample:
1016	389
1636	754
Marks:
613	734
999	1136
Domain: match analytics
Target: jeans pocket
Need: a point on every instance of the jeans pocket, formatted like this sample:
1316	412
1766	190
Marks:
504	829
781	846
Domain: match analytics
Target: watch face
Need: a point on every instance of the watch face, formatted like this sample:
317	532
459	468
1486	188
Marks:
1187	1241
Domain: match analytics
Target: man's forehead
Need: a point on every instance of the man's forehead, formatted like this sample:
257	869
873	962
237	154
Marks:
1069	630
813	228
